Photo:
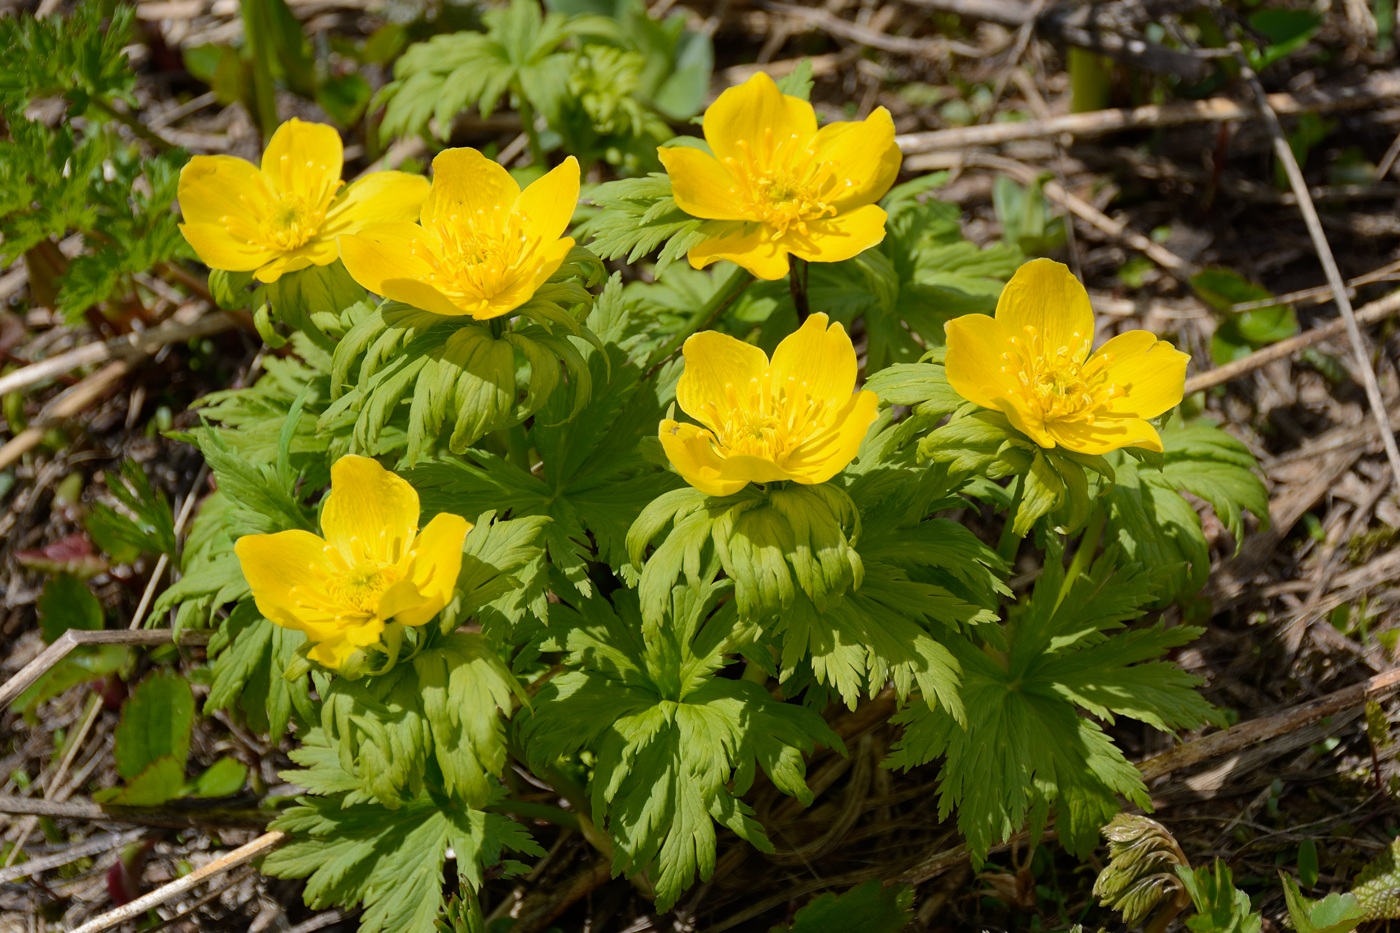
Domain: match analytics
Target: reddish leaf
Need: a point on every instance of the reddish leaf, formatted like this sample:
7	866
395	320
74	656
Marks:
73	554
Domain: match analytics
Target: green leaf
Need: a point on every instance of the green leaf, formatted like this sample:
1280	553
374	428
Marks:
465	688
867	908
1241	332
66	603
223	778
391	861
1204	460
1220	906
1336	913
798	82
1025	747
1140	877
636	216
1377	887
161	780
145	526
251	657
83	665
674	746
156	723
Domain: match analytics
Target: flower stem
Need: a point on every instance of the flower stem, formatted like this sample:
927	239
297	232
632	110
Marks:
797	285
1010	541
1084	556
706	315
257	34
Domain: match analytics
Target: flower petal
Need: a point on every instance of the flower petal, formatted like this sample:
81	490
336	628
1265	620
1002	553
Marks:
750	245
433	570
827	454
224	191
547	205
539	266
217	249
819	358
382	197
304	160
389	260
691	451
759	115
370	515
1104	434
713	362
1148	375
288	573
863	157
318	251
701	186
335	649
833	239
977	369
1045	297
469	188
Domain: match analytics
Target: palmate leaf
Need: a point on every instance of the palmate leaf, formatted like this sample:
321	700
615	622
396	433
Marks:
674	746
1203	460
457	376
1026	748
391	861
445	707
636	216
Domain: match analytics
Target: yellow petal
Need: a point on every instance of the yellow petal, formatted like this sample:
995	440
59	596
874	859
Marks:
975	359
469	188
547	205
436	563
318	251
701	186
1148	375
1102	435
288	573
691	451
304	160
714	361
225	192
370	515
756	113
977	369
383	197
820	358
750	245
863	157
389	260
1045	297
827	454
403	602
334	650
218	250
833	239
536	271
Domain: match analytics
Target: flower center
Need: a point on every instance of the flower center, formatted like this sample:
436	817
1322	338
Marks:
478	259
781	183
294	220
1059	382
360	588
767	420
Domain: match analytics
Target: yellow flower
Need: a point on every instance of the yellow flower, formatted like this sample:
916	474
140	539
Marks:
285	216
798	417
791	188
373	566
484	246
1032	363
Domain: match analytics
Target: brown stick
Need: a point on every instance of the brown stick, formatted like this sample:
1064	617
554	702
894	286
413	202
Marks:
1377	310
71	639
259	846
1285	155
173	817
1376	88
